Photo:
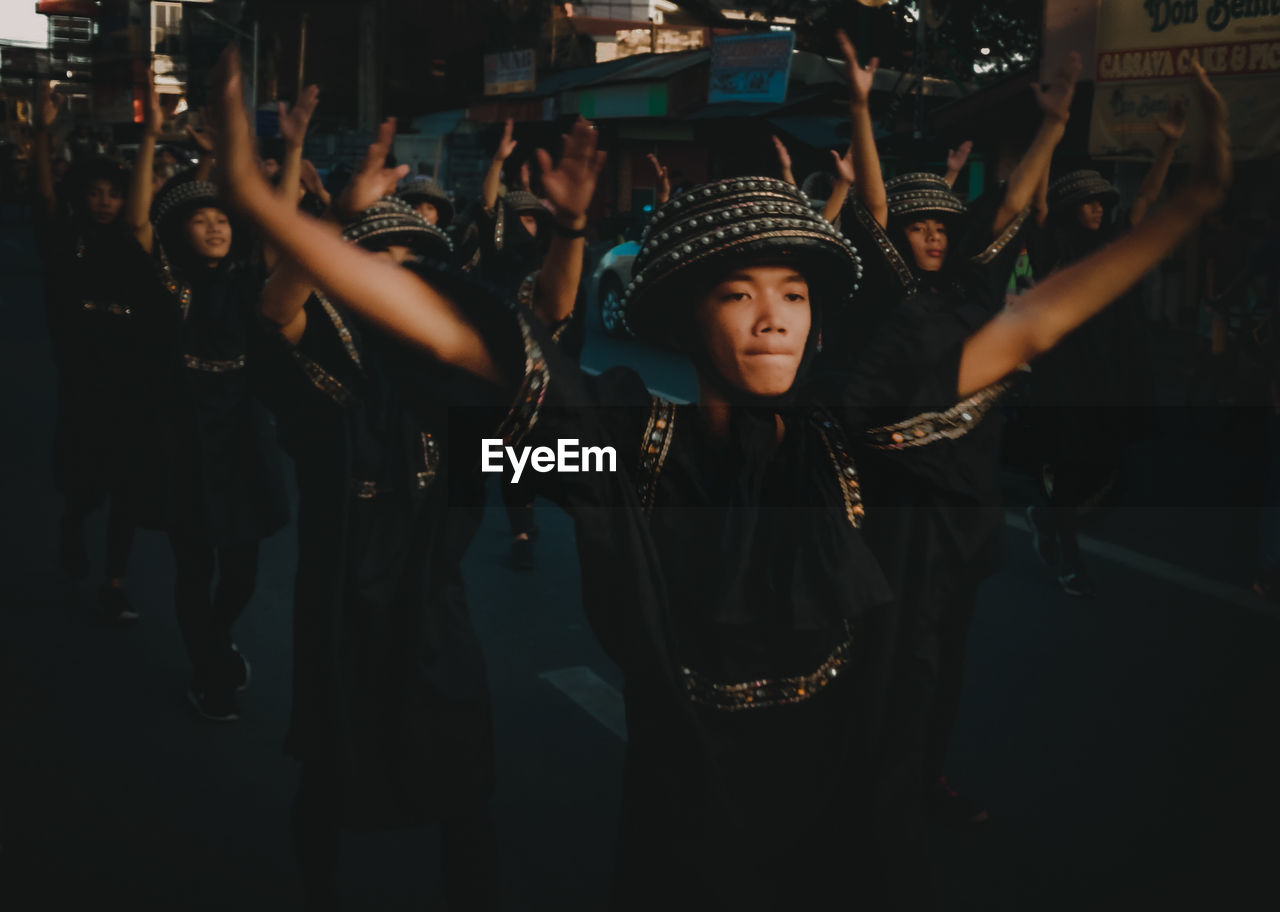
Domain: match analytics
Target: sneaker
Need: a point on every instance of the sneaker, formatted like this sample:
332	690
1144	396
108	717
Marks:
1045	543
1075	583
241	673
522	553
214	706
949	807
113	605
71	551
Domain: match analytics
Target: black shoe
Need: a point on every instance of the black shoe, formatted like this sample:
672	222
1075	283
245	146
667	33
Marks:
1076	583
241	674
522	553
214	705
113	605
950	808
1045	542
71	550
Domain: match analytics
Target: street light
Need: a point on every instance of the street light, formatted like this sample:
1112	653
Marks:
253	80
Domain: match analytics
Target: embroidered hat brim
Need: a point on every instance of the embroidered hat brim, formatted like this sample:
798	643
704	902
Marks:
1079	187
735	221
181	196
392	221
920	194
420	190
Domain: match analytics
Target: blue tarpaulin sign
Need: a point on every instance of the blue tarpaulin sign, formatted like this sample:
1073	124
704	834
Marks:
751	67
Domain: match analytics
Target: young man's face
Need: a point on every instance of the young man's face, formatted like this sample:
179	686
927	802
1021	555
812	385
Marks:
209	233
1090	215
928	241
755	323
428	212
103	201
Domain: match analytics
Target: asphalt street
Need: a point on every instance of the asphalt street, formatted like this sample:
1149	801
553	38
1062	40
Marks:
1124	744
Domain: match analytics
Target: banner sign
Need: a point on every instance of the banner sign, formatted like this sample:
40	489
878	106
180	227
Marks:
751	67
1145	50
509	72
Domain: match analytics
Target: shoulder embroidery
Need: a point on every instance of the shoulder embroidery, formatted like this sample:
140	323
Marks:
180	290
886	246
523	414
430	461
653	449
993	249
930	427
845	469
324	381
344	334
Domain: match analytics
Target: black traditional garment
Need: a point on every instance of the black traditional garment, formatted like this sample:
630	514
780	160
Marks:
215	470
729	579
508	253
389	688
96	297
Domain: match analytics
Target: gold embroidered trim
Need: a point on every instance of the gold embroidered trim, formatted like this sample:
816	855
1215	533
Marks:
324	381
181	291
523	414
654	446
885	245
430	461
767	692
846	470
930	427
116	310
994	248
214	367
344	334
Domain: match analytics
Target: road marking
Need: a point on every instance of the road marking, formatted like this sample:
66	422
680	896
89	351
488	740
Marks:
1172	573
600	699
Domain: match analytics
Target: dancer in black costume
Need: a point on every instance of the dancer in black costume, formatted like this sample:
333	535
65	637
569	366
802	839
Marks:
94	278
1090	395
216	482
723	564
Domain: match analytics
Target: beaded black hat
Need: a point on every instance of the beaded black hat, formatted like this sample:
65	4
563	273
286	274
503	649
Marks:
422	189
392	221
522	202
729	221
179	196
921	193
1079	186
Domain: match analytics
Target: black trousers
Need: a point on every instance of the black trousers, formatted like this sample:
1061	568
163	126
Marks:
468	847
207	613
121	524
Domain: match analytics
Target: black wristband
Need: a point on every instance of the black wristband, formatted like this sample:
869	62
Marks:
566	232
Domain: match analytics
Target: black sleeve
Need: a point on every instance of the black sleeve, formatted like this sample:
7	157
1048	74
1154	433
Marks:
983	264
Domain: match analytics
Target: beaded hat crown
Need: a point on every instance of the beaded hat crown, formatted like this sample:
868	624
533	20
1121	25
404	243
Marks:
1078	186
392	221
920	193
178	196
730	221
522	202
421	189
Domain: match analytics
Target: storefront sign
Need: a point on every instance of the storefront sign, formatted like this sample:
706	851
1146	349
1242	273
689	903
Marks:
751	67
1144	56
510	72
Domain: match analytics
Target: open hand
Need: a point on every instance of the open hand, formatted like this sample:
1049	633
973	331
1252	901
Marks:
1055	100
844	165
48	104
237	159
293	124
1212	170
664	178
784	157
506	145
312	183
374	180
860	78
1174	123
571	184
956	158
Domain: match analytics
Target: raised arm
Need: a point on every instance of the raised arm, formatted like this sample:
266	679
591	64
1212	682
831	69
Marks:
569	186
293	128
1068	298
1040	206
869	189
493	178
664	180
1055	105
48	104
840	188
137	205
1172	127
956	159
784	162
381	291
